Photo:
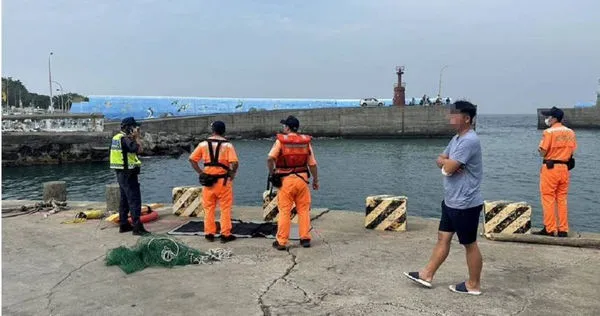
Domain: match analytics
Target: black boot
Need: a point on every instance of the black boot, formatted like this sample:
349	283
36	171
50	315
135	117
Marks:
125	228
544	232
228	238
277	246
305	243
139	230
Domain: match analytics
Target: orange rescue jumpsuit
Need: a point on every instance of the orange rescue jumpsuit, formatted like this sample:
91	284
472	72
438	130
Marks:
559	143
294	190
219	192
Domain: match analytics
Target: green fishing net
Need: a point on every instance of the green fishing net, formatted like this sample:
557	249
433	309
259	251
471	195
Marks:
160	250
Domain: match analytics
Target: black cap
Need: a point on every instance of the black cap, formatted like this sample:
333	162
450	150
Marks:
554	112
218	127
291	122
129	121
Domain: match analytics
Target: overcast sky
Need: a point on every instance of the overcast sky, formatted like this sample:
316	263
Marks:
508	56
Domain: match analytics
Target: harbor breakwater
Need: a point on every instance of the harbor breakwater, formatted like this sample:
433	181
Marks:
583	118
359	122
177	135
30	148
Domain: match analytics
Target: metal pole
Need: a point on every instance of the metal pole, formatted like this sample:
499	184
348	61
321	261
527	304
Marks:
440	83
50	79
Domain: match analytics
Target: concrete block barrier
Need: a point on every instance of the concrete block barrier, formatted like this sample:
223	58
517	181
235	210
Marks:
55	190
112	195
270	210
386	212
187	201
505	217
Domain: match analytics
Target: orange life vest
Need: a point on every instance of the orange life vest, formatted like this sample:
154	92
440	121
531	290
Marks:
295	151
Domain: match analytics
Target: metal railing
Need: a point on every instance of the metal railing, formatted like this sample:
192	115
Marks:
55	123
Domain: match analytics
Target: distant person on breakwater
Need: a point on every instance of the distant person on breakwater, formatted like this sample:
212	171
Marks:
124	160
462	167
556	147
220	166
291	162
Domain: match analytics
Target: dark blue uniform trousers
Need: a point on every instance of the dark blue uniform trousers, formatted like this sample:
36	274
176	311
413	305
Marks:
131	196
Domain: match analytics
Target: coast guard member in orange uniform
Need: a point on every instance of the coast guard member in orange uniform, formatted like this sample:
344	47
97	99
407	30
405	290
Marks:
291	162
220	167
556	147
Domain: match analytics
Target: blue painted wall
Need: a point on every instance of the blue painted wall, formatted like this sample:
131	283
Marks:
140	107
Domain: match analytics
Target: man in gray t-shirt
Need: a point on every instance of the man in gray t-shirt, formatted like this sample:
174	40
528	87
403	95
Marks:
462	167
461	190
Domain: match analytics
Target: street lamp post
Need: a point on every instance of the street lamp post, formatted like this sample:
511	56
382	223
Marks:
50	80
440	83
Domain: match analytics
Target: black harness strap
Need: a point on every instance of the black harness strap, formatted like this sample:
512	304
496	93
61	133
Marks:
296	173
559	162
214	158
214	154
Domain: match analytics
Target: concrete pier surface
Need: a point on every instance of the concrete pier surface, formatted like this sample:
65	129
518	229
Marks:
57	269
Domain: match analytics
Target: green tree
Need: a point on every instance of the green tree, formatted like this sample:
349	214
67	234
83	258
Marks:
15	90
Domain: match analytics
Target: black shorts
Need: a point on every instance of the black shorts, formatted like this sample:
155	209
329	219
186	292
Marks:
463	222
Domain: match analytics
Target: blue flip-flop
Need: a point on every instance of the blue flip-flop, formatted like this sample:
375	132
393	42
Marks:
462	288
415	277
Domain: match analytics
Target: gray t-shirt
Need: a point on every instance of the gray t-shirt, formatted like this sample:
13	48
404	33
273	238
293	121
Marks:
462	189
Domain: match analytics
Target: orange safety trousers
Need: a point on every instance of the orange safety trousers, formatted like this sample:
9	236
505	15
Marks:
294	190
554	187
222	194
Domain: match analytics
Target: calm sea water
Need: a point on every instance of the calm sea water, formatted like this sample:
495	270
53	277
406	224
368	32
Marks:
350	170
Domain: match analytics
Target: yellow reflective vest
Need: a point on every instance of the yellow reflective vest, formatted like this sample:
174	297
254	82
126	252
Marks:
116	155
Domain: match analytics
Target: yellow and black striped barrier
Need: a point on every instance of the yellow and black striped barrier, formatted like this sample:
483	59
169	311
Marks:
187	201
505	217
270	210
386	212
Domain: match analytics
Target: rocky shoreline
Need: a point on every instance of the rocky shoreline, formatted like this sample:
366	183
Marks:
50	148
25	149
163	144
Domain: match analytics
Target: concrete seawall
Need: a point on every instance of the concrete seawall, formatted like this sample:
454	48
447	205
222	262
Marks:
584	118
174	136
29	148
346	122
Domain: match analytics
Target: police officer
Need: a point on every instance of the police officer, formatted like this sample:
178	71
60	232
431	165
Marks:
124	160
